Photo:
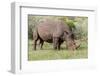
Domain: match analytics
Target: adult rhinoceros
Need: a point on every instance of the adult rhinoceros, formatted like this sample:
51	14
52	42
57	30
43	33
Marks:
56	32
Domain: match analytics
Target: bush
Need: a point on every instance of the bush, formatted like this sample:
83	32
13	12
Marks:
77	24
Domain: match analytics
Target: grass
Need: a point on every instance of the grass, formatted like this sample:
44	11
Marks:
49	54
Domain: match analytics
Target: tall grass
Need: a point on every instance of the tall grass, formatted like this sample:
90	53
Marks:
47	53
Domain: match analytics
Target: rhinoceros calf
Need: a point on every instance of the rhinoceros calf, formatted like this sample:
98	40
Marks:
56	32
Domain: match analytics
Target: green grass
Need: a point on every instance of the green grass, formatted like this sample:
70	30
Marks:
47	53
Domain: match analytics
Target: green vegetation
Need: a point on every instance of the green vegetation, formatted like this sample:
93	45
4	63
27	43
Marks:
47	53
79	26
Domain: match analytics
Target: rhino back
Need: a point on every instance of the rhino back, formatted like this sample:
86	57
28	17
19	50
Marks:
49	29
45	30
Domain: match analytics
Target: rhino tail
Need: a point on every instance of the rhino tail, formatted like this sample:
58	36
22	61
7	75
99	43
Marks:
35	34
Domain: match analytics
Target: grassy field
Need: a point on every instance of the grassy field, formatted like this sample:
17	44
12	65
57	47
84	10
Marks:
49	54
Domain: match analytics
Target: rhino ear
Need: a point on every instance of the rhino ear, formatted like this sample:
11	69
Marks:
65	35
66	32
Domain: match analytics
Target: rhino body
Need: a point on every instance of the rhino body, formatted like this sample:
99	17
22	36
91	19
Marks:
54	31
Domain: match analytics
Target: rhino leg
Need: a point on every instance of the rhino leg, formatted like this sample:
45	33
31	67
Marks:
35	44
35	39
55	42
59	44
41	44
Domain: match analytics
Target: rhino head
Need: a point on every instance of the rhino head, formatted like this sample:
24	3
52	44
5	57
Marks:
70	41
